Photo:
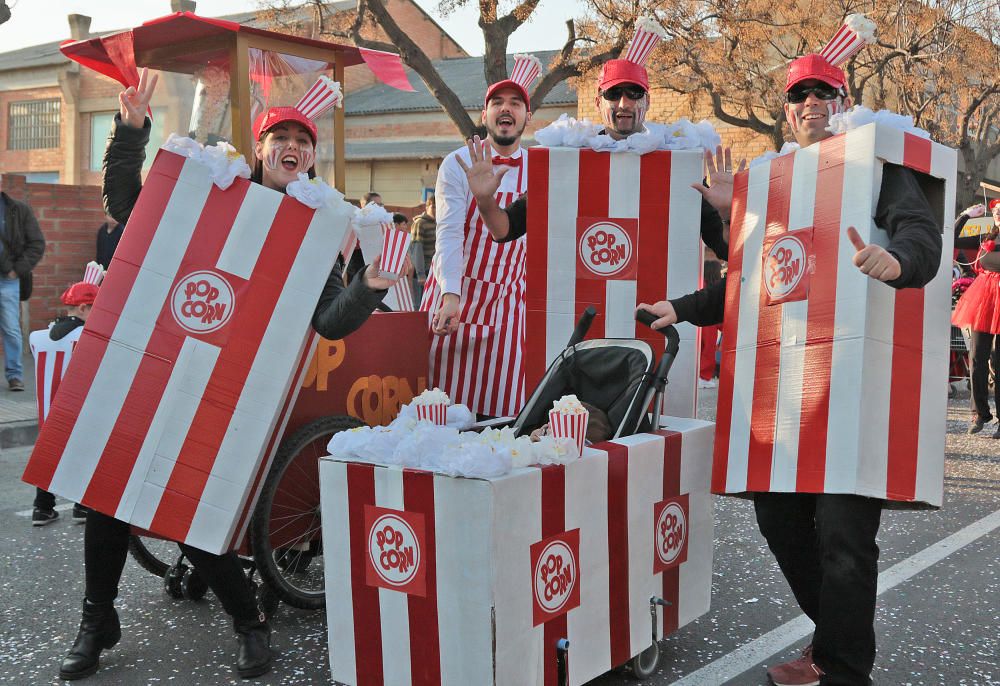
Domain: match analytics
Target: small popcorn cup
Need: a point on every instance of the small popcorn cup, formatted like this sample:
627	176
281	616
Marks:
395	245
436	413
570	425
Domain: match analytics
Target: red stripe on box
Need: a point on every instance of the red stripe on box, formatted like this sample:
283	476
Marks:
537	254
553	522
618	567
117	285
652	254
364	598
917	153
115	465
765	384
671	487
818	356
211	420
425	650
592	201
904	411
720	458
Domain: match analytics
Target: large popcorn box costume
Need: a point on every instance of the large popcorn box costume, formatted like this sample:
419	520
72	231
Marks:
441	580
612	229
191	357
831	381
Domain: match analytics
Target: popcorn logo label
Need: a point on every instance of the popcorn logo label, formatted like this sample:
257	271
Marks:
555	575
394	548
787	266
606	248
202	302
670	532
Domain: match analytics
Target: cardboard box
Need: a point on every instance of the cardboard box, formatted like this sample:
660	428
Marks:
438	580
191	356
612	230
832	382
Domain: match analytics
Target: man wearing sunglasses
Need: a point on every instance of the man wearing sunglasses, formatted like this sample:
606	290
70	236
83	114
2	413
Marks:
623	100
825	543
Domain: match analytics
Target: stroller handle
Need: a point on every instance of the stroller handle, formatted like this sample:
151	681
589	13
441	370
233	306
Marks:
673	338
582	326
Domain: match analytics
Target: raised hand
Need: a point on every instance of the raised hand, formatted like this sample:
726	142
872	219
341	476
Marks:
135	101
664	310
719	169
873	260
373	278
976	211
484	179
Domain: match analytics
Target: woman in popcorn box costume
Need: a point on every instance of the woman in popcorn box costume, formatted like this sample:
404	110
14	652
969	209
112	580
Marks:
285	147
825	543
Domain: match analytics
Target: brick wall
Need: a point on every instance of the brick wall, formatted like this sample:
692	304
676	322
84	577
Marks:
42	159
69	217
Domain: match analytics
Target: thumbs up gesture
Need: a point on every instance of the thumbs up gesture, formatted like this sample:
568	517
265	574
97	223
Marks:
873	260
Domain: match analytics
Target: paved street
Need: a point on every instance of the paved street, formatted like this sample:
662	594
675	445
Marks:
938	619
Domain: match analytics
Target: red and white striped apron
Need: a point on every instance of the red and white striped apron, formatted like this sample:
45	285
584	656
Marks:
51	361
481	365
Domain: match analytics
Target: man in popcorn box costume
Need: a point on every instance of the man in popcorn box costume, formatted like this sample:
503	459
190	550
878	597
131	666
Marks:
161	426
475	287
648	191
830	402
52	349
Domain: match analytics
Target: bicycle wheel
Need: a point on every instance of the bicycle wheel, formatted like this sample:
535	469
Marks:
285	529
153	554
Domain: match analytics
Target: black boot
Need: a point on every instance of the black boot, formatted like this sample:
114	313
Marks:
99	630
253	653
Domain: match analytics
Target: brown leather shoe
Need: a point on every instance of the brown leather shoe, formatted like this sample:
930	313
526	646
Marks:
15	384
800	672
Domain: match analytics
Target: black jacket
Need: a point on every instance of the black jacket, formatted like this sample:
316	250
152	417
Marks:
23	242
340	310
914	240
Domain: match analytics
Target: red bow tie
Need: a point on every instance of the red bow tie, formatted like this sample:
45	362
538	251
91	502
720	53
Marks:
506	161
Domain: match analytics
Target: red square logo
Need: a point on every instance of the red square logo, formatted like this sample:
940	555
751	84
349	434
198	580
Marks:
606	248
671	527
788	263
394	550
555	576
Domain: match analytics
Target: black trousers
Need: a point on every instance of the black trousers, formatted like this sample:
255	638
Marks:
105	548
44	500
980	348
825	546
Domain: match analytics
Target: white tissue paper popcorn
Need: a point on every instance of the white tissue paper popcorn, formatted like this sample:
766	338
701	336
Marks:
316	193
223	161
682	135
859	116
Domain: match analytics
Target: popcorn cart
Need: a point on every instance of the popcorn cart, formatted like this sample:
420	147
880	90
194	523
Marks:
182	403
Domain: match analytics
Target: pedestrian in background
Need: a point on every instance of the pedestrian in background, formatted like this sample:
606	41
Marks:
709	334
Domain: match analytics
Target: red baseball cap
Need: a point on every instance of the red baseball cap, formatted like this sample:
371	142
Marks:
614	72
273	116
993	203
80	293
814	67
506	83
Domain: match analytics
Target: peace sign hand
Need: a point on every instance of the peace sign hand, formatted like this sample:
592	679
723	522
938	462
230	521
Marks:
483	179
135	101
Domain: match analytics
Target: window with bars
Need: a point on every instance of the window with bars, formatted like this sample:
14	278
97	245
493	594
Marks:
33	124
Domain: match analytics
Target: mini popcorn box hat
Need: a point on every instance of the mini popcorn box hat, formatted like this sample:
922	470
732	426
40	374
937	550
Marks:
632	67
526	70
323	96
84	292
856	32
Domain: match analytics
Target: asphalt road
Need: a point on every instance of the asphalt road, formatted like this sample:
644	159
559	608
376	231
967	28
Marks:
938	618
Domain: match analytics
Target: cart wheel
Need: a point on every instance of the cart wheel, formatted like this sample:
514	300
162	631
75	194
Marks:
644	664
173	580
285	529
193	585
150	553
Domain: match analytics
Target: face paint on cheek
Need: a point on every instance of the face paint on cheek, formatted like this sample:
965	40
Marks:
307	156
640	117
835	106
271	161
796	120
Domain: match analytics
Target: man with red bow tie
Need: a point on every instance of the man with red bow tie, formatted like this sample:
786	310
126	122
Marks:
475	286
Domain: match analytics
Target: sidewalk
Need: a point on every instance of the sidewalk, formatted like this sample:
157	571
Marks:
18	412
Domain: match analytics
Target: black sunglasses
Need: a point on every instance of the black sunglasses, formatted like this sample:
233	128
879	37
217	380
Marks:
631	92
822	91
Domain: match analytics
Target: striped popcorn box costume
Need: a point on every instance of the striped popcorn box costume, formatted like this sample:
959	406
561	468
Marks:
441	580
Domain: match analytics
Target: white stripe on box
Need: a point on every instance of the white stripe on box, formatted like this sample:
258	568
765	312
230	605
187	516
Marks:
464	519
180	401
794	317
751	240
337	571
250	229
118	367
623	203
695	588
645	488
620	297
587	510
519	644
394	606
561	281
